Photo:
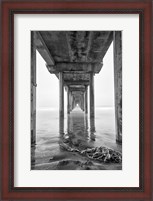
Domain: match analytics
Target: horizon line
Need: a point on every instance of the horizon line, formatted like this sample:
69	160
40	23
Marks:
43	108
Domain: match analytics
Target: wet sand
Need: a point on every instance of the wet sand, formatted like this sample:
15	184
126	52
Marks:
51	151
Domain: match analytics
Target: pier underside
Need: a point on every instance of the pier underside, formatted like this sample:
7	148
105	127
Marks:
75	57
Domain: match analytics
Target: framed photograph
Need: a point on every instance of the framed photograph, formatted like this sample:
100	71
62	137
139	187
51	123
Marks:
76	100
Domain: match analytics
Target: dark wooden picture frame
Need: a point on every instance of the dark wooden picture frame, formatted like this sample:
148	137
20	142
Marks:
11	7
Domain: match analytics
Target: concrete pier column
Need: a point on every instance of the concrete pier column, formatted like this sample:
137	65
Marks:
86	124
86	100
68	101
33	157
68	123
61	95
33	89
92	98
92	125
61	103
92	107
72	104
117	40
82	102
71	101
61	126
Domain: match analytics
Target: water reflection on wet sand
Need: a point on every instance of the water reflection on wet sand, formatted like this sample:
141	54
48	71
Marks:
78	131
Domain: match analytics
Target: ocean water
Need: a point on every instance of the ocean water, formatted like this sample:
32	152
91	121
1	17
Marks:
48	120
48	138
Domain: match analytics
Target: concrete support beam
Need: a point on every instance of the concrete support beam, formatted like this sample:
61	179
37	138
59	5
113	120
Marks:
118	83
77	82
43	49
79	89
92	96
33	89
86	100
74	66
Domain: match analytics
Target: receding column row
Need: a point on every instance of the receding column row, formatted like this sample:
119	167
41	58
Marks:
71	103
83	97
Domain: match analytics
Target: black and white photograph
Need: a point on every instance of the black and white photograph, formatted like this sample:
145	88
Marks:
76	100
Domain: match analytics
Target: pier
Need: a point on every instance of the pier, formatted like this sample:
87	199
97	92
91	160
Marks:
75	57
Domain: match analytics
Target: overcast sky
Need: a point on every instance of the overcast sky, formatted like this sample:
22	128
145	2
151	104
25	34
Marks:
48	84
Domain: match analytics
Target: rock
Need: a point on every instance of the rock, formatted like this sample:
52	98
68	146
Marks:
99	149
88	163
66	140
105	150
89	156
93	150
87	168
110	151
108	156
63	162
96	155
88	150
76	144
106	160
77	162
101	158
102	154
65	147
83	152
51	158
75	150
